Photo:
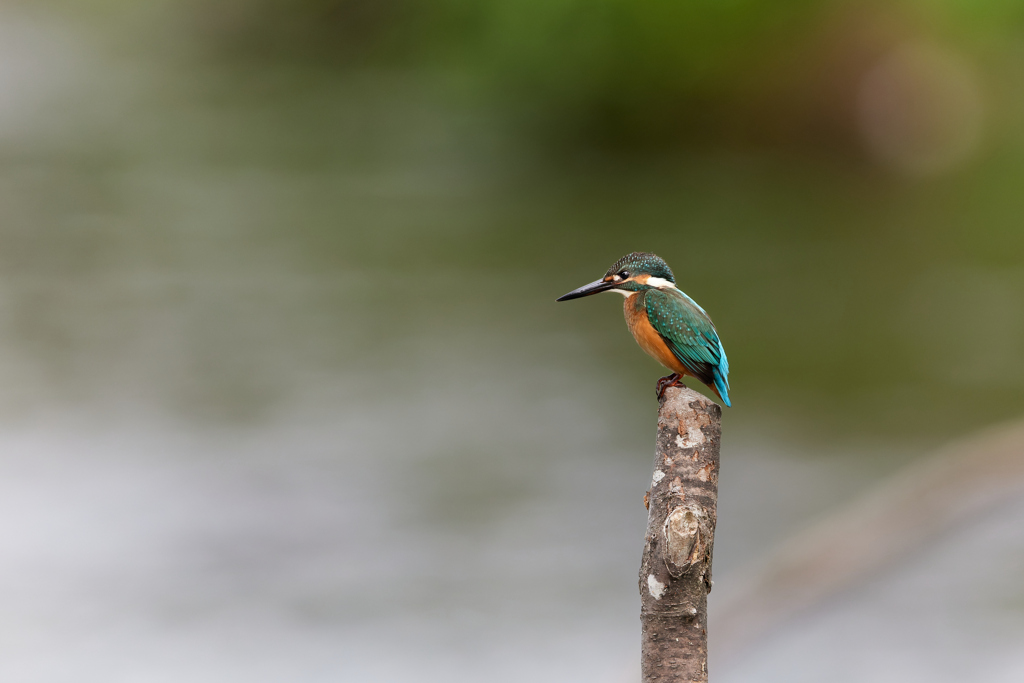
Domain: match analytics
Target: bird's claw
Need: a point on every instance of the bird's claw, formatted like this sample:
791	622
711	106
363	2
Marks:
673	380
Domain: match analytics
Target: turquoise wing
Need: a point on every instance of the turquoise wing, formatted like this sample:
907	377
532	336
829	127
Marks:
691	336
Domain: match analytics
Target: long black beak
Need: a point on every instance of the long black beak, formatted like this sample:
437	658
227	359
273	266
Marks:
586	290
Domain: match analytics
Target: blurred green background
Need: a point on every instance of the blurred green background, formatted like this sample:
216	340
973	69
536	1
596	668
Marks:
838	183
277	280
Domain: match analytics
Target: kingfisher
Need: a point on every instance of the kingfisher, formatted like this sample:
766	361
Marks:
665	322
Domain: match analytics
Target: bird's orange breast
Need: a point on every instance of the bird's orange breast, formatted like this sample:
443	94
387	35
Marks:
646	336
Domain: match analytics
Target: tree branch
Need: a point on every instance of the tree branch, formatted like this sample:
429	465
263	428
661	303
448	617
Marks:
675	573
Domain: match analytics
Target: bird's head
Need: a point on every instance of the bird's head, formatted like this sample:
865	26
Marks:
630	274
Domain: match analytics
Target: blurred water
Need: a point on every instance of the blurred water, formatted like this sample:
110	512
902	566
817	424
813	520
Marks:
361	548
285	394
340	550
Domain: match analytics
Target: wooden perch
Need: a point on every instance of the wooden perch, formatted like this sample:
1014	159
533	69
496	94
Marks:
675	574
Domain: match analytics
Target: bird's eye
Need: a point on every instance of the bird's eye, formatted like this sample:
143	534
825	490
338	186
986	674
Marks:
624	274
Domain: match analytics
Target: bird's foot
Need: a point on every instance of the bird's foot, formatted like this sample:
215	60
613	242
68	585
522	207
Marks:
673	380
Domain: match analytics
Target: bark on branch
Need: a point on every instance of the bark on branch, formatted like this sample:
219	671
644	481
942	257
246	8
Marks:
675	574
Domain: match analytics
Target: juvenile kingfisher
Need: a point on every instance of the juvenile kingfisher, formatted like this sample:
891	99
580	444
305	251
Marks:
666	323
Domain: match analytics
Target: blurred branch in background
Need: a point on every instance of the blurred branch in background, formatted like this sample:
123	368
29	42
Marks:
934	496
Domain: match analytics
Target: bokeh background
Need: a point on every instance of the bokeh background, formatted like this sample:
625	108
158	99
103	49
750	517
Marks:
285	395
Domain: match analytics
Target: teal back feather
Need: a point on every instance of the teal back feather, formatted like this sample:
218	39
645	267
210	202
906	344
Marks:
690	335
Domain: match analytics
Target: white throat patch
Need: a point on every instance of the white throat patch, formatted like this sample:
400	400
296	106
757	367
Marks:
624	292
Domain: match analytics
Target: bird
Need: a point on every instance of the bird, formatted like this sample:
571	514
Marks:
667	324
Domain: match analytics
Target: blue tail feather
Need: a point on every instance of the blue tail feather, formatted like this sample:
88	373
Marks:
723	389
721	376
